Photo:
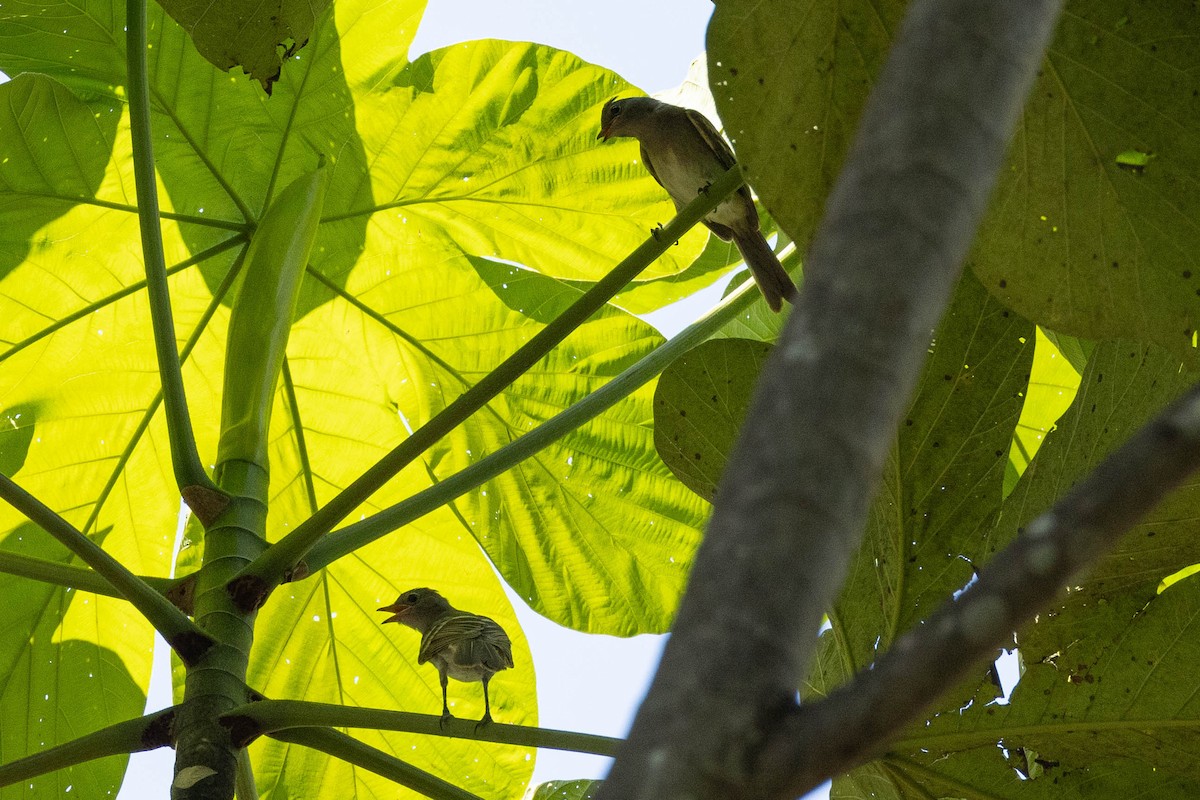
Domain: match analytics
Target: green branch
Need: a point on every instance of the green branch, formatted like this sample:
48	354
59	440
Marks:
346	540
60	574
355	752
184	637
279	561
271	716
198	490
132	736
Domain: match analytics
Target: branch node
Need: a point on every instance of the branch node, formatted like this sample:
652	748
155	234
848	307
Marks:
191	646
248	592
183	594
160	732
205	502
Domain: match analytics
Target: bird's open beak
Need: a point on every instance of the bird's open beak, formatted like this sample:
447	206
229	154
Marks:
397	610
603	134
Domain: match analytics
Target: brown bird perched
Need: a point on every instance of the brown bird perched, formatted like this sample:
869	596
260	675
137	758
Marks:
462	645
685	154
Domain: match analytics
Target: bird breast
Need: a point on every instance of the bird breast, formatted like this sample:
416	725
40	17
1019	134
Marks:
684	178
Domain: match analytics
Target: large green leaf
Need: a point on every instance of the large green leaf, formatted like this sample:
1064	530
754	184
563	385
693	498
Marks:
942	484
699	406
1105	699
1081	237
255	38
445	172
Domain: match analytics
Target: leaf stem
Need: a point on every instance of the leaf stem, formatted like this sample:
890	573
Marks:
355	752
59	574
279	561
132	736
346	540
179	631
197	488
271	716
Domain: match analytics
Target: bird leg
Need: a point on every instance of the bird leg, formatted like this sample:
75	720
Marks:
446	715
487	706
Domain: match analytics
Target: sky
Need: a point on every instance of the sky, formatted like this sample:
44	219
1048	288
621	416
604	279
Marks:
651	45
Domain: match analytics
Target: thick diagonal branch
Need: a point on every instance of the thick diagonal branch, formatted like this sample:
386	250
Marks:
843	730
794	500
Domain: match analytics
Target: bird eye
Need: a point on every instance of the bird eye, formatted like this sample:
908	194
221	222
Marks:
616	109
411	597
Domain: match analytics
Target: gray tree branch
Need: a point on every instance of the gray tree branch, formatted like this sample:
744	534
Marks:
793	504
855	721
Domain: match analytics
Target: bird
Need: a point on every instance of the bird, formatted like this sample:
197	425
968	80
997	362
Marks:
464	646
685	154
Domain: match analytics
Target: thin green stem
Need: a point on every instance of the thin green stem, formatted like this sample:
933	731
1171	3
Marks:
346	540
132	736
38	569
189	471
279	561
206	222
179	631
272	716
355	752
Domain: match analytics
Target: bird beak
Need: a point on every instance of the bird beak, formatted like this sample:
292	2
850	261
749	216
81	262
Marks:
603	134
397	610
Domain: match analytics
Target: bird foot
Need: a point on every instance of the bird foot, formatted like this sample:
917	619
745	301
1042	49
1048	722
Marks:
445	720
485	721
657	231
704	189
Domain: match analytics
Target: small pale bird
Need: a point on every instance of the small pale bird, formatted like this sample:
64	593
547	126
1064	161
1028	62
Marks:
685	154
462	645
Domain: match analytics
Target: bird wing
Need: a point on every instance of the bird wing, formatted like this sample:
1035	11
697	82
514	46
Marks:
725	157
649	166
714	140
470	640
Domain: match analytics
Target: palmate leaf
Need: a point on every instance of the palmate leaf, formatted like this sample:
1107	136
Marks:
444	170
1106	702
941	485
1080	238
255	38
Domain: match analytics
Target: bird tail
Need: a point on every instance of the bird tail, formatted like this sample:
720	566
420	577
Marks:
772	279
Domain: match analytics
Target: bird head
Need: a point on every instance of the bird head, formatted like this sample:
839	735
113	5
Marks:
416	608
620	116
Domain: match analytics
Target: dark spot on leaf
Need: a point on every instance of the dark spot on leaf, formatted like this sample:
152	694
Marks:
1003	283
